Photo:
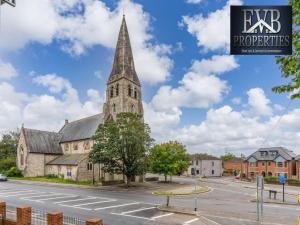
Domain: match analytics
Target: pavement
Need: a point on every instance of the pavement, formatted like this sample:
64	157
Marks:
228	203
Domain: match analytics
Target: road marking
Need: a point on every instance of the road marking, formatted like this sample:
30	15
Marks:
77	207
138	210
138	217
214	222
116	206
14	192
37	196
156	217
66	196
91	203
74	200
190	221
283	207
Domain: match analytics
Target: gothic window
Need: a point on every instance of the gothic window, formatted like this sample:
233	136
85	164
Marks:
86	145
75	146
135	93
129	90
112	92
22	156
66	147
114	107
132	108
89	166
117	90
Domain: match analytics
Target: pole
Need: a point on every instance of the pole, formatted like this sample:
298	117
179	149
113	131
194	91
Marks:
195	193
283	192
262	200
257	198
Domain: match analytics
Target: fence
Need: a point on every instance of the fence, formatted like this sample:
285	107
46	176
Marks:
25	215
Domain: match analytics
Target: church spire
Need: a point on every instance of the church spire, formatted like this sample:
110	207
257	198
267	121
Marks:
123	65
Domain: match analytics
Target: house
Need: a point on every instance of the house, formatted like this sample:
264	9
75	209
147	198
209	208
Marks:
206	166
65	153
271	162
236	165
297	159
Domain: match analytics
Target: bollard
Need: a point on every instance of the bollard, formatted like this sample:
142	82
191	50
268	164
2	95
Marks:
168	200
298	220
299	199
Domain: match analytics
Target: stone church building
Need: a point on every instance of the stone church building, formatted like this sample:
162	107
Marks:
65	153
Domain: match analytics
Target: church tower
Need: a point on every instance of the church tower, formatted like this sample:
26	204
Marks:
123	93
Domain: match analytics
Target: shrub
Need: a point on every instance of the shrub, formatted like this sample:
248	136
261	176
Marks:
14	172
270	179
291	180
51	176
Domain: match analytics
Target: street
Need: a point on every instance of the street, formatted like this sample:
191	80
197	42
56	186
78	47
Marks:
227	203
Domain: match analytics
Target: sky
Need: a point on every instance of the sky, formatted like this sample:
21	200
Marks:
55	58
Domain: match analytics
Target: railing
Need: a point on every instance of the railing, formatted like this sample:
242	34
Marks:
38	217
73	221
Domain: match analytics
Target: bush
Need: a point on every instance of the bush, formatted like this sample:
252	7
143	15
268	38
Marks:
51	176
270	179
14	172
291	180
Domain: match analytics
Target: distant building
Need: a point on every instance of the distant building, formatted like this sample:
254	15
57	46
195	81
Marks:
235	165
206	166
271	162
297	159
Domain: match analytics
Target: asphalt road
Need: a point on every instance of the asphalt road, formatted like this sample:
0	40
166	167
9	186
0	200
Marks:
228	203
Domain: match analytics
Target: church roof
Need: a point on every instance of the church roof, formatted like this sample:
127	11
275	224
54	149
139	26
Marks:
69	160
123	65
43	142
81	129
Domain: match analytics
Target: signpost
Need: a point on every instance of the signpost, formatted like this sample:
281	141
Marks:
260	197
282	180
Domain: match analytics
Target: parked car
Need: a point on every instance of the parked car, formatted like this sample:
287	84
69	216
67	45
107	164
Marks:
3	177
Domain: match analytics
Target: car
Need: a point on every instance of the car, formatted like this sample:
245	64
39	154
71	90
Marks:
3	177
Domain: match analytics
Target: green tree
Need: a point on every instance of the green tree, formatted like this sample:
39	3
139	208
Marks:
122	146
169	159
290	65
228	157
8	151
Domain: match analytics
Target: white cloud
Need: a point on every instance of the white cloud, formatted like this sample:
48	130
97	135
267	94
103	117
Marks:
193	1
200	87
212	31
236	101
7	71
77	31
258	102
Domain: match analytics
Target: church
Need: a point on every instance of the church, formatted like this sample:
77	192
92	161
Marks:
65	153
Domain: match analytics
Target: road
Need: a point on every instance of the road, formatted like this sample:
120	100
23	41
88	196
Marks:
228	204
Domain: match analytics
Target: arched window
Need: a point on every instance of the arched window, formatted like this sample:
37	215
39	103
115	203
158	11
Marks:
117	90
132	108
22	156
129	90
112	92
135	93
114	107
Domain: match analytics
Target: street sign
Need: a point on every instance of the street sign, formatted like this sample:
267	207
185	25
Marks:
10	2
282	178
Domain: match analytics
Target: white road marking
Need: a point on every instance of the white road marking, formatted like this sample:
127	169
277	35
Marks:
191	221
70	206
138	210
74	200
66	196
138	217
92	203
214	222
116	206
14	192
156	217
283	207
38	196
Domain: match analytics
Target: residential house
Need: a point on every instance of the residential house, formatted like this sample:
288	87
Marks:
206	166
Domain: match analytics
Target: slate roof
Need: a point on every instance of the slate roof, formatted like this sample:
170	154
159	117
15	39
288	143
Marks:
284	152
297	157
69	160
44	142
123	65
204	157
81	129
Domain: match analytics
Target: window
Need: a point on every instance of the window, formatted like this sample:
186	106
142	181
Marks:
197	163
135	93
279	164
114	107
69	172
132	108
75	146
89	166
285	164
263	163
22	156
129	90
252	174
86	145
212	172
112	92
212	163
256	164
269	174
197	171
117	90
252	164
269	163
66	147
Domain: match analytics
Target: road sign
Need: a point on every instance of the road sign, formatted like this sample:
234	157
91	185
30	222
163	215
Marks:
282	178
10	2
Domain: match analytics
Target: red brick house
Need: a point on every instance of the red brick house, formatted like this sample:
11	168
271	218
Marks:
236	164
271	162
297	159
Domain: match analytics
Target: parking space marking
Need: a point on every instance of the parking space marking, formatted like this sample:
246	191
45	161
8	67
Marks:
191	221
74	200
65	196
137	210
26	193
38	196
214	222
116	206
138	217
156	217
92	203
14	192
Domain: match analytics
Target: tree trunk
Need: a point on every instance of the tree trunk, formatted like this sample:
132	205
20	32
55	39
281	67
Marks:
166	177
128	180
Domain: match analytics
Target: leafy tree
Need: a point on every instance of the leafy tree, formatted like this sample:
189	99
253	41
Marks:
122	145
169	159
290	65
228	157
8	150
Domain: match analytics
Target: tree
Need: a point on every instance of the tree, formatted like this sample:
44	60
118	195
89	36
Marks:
8	151
169	159
227	157
290	65
122	146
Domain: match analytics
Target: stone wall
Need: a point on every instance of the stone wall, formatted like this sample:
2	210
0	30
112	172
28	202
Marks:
65	171
69	147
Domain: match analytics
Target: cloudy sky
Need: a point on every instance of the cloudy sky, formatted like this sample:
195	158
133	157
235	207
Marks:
55	57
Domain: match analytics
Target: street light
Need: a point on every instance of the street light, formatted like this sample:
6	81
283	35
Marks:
10	2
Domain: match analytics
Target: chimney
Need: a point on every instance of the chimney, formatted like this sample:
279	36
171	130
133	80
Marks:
66	121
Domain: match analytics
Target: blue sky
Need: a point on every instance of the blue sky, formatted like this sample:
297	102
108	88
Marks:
56	58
